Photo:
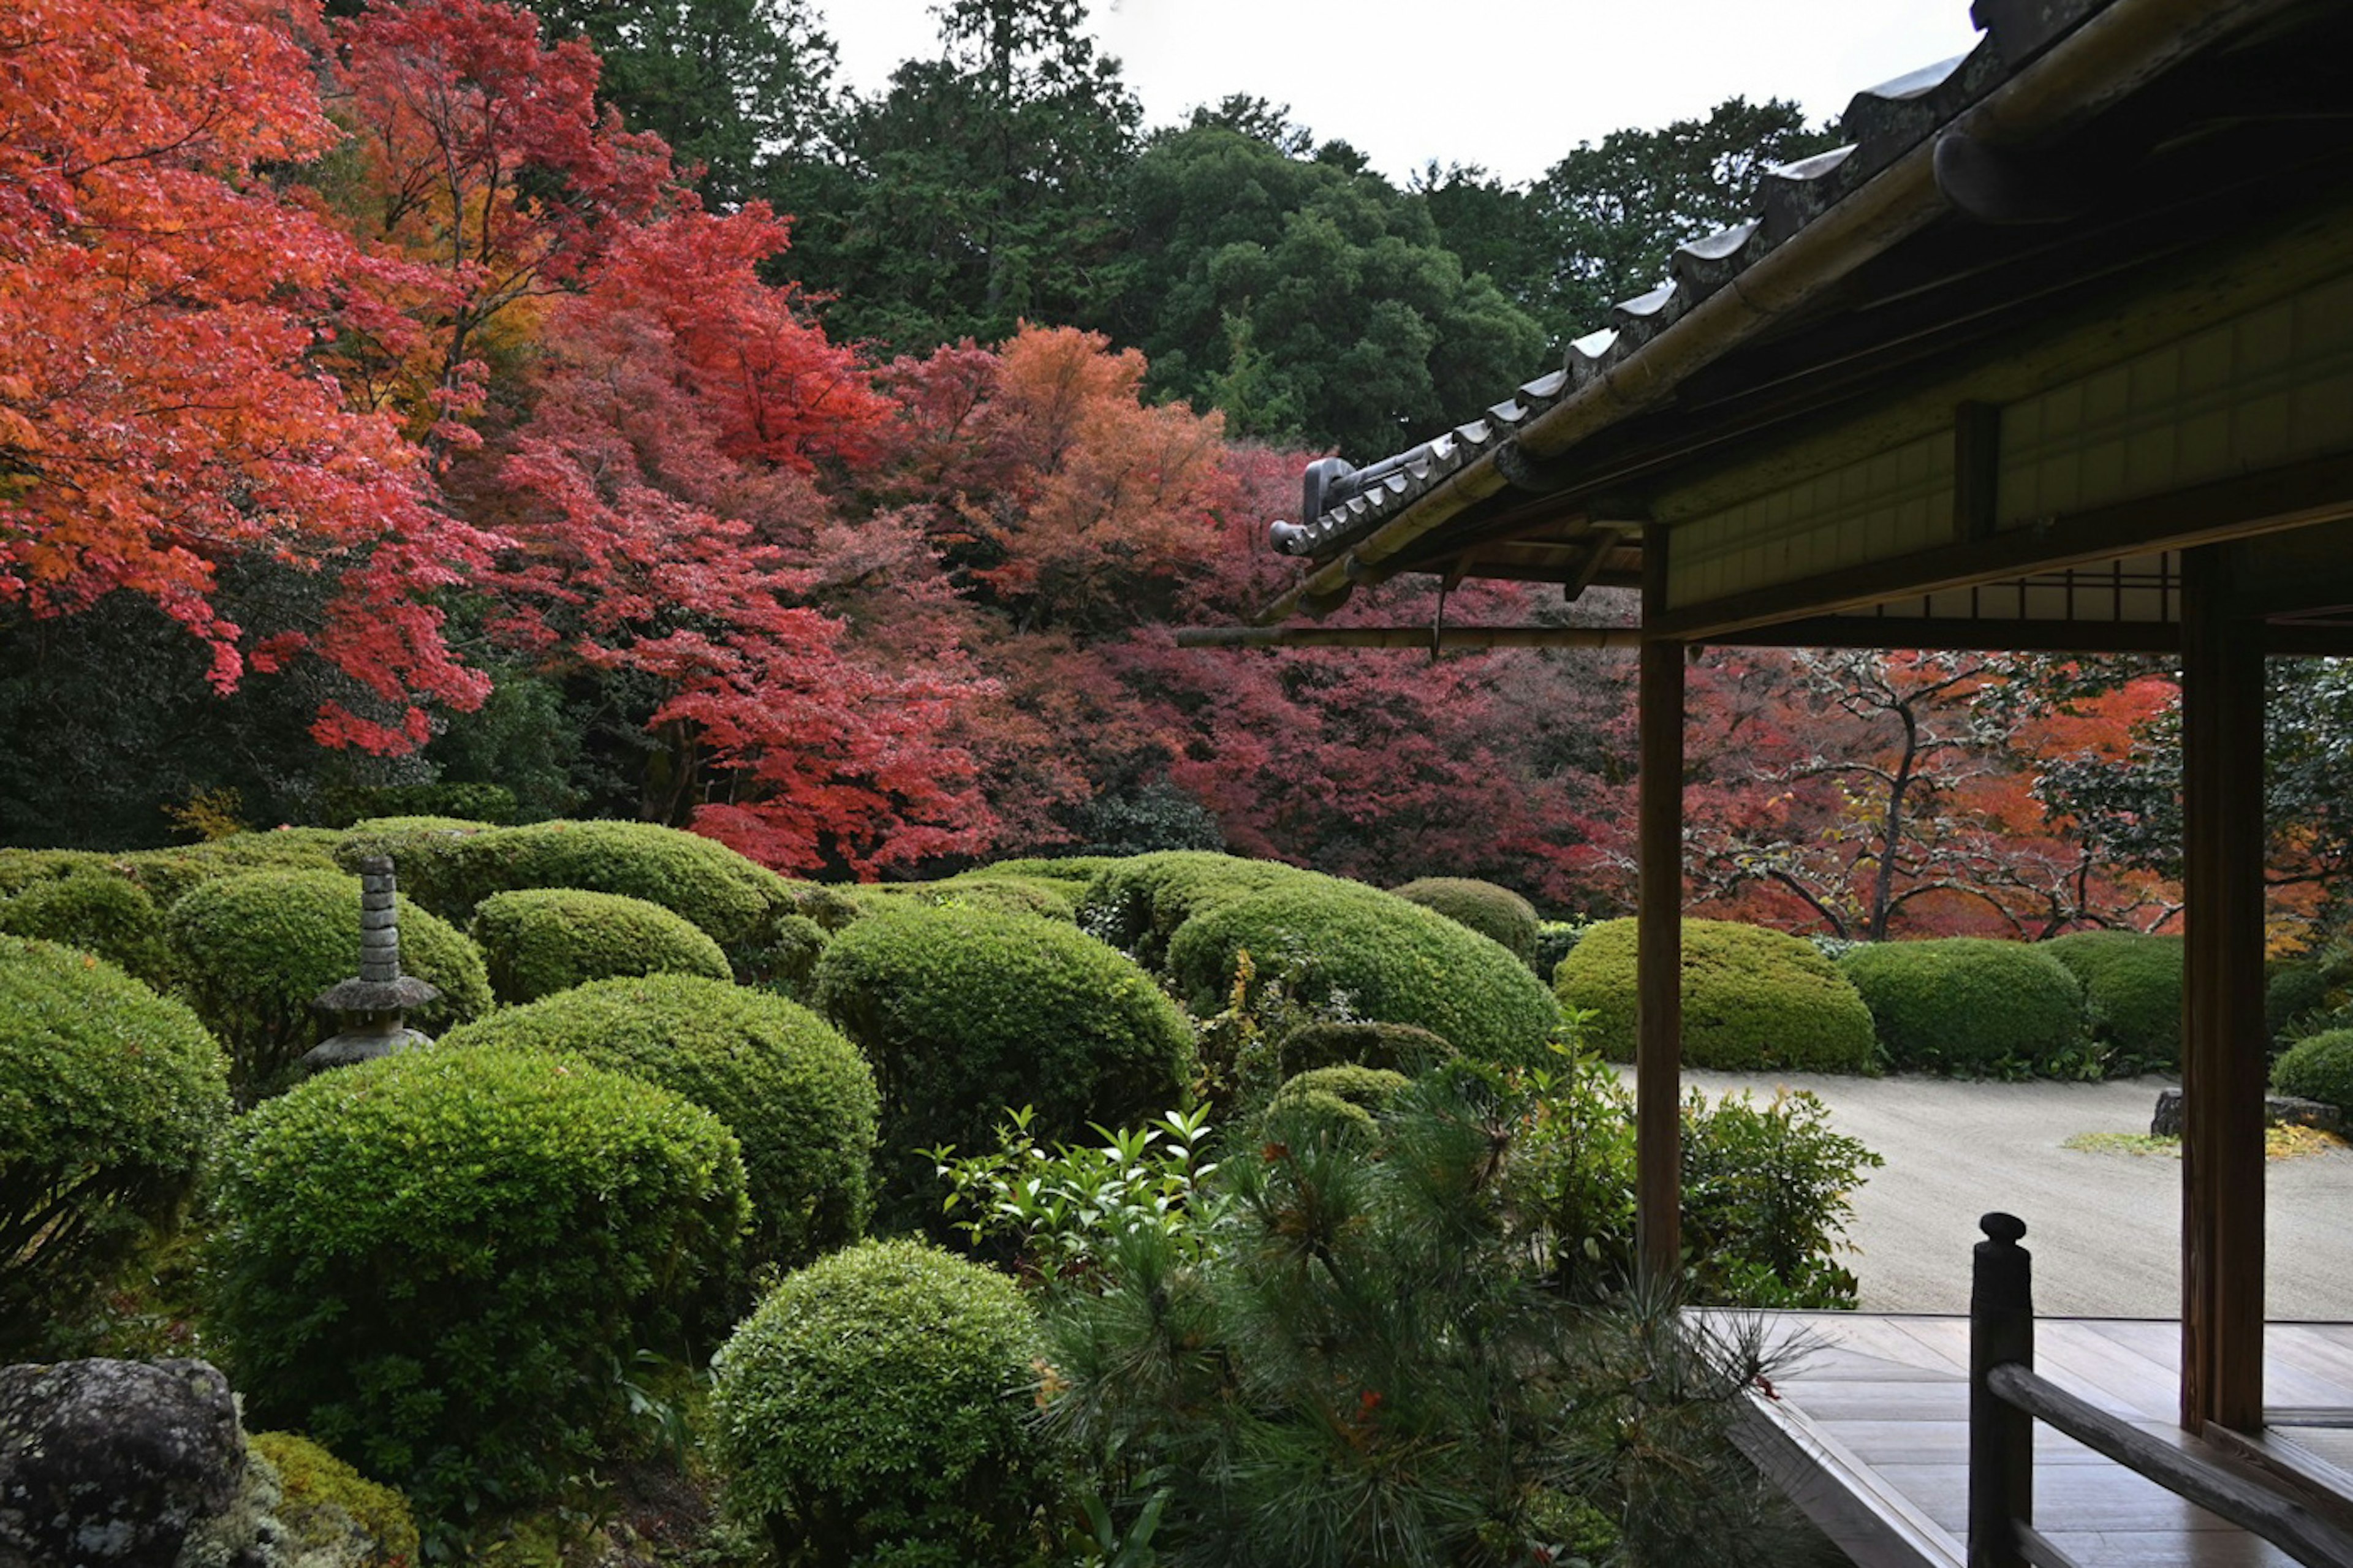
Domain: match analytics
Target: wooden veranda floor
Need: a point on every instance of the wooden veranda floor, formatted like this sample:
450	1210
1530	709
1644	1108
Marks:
1868	1431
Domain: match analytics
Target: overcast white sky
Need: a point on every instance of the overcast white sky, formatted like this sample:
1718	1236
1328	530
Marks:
1510	84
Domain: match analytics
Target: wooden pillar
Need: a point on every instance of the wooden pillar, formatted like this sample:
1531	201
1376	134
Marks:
2223	1045
1658	1006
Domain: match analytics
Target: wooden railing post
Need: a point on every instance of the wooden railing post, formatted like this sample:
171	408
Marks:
2001	1436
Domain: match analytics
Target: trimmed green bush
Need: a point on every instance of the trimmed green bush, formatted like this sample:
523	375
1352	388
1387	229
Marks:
2319	1067
799	1096
1400	1048
1966	1005
877	1409
965	1013
2306	994
1339	944
1005	895
434	1262
95	911
1491	911
168	875
1752	1000
1137	904
1342	1097
330	1513
731	899
110	1095
1079	870
2132	992
22	869
789	962
250	952
537	942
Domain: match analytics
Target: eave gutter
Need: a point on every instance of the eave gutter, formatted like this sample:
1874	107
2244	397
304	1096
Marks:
2107	58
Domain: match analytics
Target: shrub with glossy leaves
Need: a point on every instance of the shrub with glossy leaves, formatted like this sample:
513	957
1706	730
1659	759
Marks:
731	899
2132	993
1343	946
1137	904
2319	1067
1753	999
109	1097
434	1262
1966	1005
876	1409
1490	910
537	942
250	952
799	1096
965	1013
96	911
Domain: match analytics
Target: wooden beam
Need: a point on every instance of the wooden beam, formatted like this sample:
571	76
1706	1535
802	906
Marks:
1977	469
2222	1037
1423	638
2296	495
1962	633
1659	941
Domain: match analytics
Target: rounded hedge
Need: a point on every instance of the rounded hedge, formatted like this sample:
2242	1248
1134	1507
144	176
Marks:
1344	1097
796	1095
331	1514
250	952
1138	903
96	911
23	868
169	875
433	1262
2131	992
1753	999
1385	960
1967	1004
1399	1047
110	1095
1491	910
537	942
965	1013
1005	895
877	1409
2318	1067
730	899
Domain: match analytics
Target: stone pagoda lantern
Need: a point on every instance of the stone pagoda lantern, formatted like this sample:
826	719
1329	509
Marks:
372	1004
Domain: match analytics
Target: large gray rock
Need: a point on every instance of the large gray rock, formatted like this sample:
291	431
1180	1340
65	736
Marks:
117	1464
2279	1111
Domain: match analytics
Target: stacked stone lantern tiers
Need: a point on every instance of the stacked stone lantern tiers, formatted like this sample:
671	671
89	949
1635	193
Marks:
374	1002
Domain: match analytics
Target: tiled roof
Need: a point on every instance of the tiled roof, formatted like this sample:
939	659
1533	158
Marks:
1882	124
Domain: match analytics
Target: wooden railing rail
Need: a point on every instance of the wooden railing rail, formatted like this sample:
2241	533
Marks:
2007	1396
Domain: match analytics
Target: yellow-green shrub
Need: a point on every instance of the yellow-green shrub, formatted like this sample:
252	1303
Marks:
537	942
434	1261
796	1095
1966	1005
1752	999
965	1013
110	1095
250	952
875	1410
1338	943
1491	910
97	911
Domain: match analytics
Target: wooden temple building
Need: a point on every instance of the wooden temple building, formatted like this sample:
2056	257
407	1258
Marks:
2055	354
